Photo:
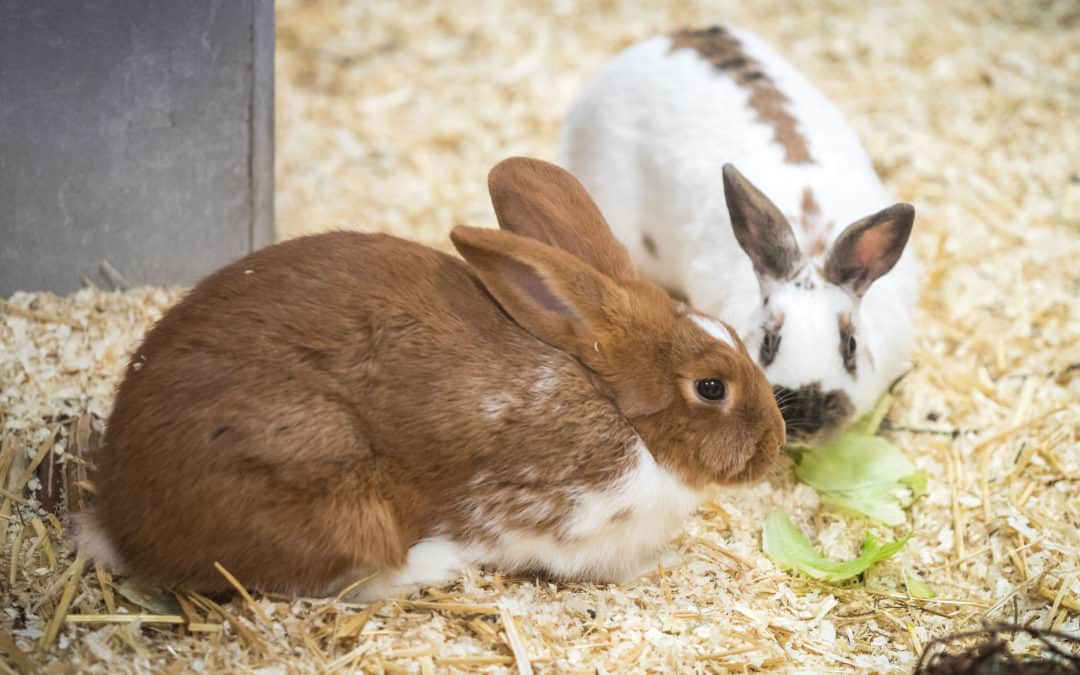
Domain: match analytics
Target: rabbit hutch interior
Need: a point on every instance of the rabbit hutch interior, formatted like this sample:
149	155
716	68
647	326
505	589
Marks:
144	145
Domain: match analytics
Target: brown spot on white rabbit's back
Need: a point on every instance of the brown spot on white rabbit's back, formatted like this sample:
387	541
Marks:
723	50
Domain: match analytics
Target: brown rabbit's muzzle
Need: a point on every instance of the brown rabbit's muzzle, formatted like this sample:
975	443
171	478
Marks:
766	448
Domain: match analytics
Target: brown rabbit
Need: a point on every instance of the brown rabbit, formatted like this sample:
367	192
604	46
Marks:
345	405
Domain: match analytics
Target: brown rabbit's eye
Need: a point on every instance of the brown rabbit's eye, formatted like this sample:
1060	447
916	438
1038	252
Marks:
711	389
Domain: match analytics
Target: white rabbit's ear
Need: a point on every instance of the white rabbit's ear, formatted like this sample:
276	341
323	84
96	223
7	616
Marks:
869	248
761	229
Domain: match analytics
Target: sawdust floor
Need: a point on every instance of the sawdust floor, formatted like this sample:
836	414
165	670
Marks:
389	116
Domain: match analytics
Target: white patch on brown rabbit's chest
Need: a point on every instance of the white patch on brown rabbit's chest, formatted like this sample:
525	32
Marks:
606	534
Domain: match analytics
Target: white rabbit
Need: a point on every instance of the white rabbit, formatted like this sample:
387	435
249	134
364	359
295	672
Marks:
826	306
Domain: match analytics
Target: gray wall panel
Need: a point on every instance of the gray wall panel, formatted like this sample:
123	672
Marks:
133	131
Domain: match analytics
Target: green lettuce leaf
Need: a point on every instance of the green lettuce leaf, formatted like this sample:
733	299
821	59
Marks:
789	548
863	474
917	588
870	422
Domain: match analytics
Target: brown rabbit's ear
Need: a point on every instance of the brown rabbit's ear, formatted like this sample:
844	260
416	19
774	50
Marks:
761	229
542	201
550	293
869	248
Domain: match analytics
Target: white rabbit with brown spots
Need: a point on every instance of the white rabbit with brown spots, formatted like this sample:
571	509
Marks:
825	305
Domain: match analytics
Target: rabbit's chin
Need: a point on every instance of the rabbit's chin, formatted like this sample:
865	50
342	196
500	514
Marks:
758	465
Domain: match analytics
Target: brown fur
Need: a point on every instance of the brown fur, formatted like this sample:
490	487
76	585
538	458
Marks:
540	200
316	408
723	50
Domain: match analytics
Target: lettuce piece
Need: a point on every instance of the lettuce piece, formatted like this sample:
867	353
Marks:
853	461
864	474
870	422
876	503
789	548
917	588
916	482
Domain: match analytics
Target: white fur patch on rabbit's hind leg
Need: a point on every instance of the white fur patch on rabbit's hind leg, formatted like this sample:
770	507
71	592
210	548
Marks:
650	569
93	543
431	562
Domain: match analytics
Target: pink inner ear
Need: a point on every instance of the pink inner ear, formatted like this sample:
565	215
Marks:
871	247
534	287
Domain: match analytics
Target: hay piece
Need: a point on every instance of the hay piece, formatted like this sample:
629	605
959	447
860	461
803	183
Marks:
170	619
17	486
8	646
1059	597
259	612
353	586
352	657
250	637
473	661
355	625
515	642
43	536
62	607
106	586
453	607
14	497
188	609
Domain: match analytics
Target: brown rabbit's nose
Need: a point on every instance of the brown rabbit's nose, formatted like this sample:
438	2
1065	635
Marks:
809	410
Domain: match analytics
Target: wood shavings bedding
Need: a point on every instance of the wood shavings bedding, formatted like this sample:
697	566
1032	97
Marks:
389	117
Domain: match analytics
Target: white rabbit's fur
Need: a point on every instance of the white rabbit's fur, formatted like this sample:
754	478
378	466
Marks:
648	139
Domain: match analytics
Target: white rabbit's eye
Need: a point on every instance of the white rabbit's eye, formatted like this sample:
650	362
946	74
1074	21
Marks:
712	389
770	344
848	345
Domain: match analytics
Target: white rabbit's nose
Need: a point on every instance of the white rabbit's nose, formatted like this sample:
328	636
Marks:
811	413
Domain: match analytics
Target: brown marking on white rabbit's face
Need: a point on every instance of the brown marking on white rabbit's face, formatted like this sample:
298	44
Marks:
649	244
815	230
690	388
723	50
809	210
771	336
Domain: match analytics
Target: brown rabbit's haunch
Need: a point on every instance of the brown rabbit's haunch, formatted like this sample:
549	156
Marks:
346	404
